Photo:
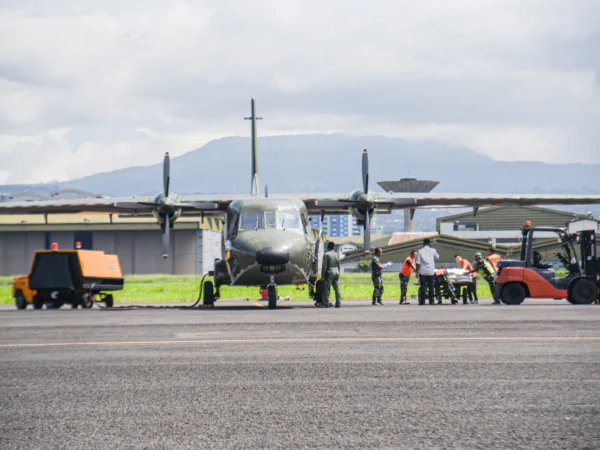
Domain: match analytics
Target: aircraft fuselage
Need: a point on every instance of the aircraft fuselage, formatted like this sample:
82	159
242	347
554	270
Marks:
269	240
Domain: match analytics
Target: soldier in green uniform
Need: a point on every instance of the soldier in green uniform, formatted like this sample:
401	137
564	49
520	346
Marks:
488	272
376	268
331	274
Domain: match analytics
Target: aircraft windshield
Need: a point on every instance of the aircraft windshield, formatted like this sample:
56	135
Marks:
281	220
270	222
289	221
251	221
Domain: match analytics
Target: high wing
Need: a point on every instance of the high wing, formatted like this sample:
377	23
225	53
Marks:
126	205
338	203
363	205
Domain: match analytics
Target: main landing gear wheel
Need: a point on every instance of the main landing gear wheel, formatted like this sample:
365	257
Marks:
583	292
20	301
272	296
208	294
513	294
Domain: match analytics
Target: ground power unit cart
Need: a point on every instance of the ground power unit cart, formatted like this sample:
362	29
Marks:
75	277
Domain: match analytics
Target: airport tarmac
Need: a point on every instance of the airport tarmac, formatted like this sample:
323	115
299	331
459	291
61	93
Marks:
242	376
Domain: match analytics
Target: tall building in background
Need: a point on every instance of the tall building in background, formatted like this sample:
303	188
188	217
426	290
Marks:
342	225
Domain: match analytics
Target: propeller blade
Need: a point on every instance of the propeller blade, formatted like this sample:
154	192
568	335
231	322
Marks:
367	233
365	171
166	174
165	240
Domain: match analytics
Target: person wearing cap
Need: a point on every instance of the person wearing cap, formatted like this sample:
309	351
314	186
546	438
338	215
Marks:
376	268
330	272
405	272
472	289
487	270
426	258
494	258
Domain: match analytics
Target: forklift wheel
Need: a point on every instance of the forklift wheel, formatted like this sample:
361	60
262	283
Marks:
583	292
513	294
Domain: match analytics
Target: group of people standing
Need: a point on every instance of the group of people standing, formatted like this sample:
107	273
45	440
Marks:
421	262
432	281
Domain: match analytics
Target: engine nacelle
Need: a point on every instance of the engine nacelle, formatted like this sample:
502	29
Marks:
166	209
160	218
362	203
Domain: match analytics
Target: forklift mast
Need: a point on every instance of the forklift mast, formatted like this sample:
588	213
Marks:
525	234
587	243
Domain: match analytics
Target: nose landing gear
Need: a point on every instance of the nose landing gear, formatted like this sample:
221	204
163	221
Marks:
272	293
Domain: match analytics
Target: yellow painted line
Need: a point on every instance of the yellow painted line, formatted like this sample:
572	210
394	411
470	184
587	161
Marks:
296	340
258	304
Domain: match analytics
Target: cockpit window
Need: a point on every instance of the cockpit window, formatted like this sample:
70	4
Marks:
270	220
288	221
281	220
251	221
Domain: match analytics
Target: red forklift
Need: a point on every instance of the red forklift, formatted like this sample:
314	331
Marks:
531	277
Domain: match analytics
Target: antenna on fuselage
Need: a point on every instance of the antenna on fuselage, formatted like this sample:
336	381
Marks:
254	186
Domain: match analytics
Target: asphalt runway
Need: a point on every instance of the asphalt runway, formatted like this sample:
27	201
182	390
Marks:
241	376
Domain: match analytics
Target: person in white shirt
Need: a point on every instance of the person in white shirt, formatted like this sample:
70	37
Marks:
426	258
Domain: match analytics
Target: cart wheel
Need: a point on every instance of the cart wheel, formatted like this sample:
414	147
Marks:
38	302
87	301
20	301
108	301
54	305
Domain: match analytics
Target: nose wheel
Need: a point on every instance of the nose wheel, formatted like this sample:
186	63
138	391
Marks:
272	294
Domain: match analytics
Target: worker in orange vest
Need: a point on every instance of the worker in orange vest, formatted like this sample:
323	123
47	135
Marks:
493	258
406	271
466	265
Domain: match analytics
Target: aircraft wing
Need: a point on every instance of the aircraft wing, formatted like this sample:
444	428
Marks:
478	200
130	205
338	203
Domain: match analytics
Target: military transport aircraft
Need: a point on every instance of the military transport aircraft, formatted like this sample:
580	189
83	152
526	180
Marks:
267	240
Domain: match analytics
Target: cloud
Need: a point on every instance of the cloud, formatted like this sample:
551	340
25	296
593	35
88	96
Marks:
91	86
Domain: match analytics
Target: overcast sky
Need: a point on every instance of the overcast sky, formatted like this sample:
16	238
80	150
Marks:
88	86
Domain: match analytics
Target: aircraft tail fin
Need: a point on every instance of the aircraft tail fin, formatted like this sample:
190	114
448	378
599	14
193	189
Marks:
254	182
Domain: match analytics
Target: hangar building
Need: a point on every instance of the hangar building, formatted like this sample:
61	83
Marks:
195	243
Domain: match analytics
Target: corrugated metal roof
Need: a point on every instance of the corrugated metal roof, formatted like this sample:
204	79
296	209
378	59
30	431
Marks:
447	247
512	218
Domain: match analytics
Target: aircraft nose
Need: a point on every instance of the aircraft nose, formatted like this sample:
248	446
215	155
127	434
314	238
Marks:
270	256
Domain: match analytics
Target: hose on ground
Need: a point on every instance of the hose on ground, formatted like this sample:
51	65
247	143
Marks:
200	292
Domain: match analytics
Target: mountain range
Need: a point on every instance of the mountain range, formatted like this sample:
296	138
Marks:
332	163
